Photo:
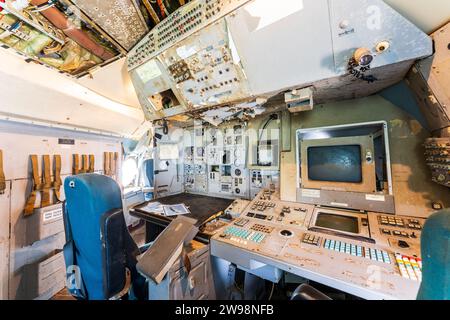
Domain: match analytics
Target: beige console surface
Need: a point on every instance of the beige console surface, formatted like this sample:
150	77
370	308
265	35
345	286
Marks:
274	234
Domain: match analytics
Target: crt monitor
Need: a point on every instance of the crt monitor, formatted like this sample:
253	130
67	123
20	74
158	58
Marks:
345	166
340	164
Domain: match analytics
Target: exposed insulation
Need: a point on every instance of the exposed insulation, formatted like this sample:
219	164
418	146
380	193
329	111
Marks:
32	34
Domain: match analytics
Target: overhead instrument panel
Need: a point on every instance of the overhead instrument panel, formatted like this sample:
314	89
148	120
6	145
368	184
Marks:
204	69
155	92
184	22
174	73
239	54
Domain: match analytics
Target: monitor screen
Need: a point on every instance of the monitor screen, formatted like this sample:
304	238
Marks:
335	163
337	222
148	71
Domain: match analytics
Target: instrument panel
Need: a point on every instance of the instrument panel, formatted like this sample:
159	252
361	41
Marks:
186	21
281	234
204	69
235	54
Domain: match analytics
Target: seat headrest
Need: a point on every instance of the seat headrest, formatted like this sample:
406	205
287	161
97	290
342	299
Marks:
92	192
435	250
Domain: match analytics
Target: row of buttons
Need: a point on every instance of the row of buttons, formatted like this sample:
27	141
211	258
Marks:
236	233
175	18
410	268
392	221
261	228
241	222
312	239
217	86
414	224
259	216
398	233
398	222
262	206
357	251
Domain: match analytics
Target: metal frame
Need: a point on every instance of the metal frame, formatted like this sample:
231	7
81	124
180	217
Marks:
50	124
363	231
347	126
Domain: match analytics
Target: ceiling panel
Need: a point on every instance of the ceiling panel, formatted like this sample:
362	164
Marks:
120	19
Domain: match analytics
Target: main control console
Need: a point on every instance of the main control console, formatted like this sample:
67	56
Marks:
270	233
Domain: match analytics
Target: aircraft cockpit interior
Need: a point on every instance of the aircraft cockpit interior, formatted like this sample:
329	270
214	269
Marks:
233	150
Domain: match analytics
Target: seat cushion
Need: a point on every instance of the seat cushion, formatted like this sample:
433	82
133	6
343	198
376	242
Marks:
435	250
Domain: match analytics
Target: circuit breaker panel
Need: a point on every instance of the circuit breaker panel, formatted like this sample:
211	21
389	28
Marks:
215	163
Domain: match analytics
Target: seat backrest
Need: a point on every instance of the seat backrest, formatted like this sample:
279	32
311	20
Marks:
435	250
97	237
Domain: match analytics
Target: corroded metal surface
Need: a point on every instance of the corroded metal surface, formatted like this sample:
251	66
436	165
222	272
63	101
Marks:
119	18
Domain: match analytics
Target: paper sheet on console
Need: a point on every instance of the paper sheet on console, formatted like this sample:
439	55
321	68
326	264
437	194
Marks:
154	207
175	209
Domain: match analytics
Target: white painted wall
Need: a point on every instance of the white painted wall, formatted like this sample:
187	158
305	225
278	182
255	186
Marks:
18	141
113	81
38	93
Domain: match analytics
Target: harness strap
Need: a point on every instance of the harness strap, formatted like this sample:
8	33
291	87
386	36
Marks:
85	164
113	166
107	164
2	175
58	182
45	198
37	186
91	163
76	164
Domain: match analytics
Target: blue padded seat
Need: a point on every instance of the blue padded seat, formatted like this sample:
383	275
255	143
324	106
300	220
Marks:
98	241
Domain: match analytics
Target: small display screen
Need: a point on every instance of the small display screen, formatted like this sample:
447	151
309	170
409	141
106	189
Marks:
335	163
337	222
148	71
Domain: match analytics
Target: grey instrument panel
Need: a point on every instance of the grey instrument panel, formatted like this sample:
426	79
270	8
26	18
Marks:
359	267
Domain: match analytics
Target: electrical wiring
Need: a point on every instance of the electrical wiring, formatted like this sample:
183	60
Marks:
271	291
269	120
162	8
